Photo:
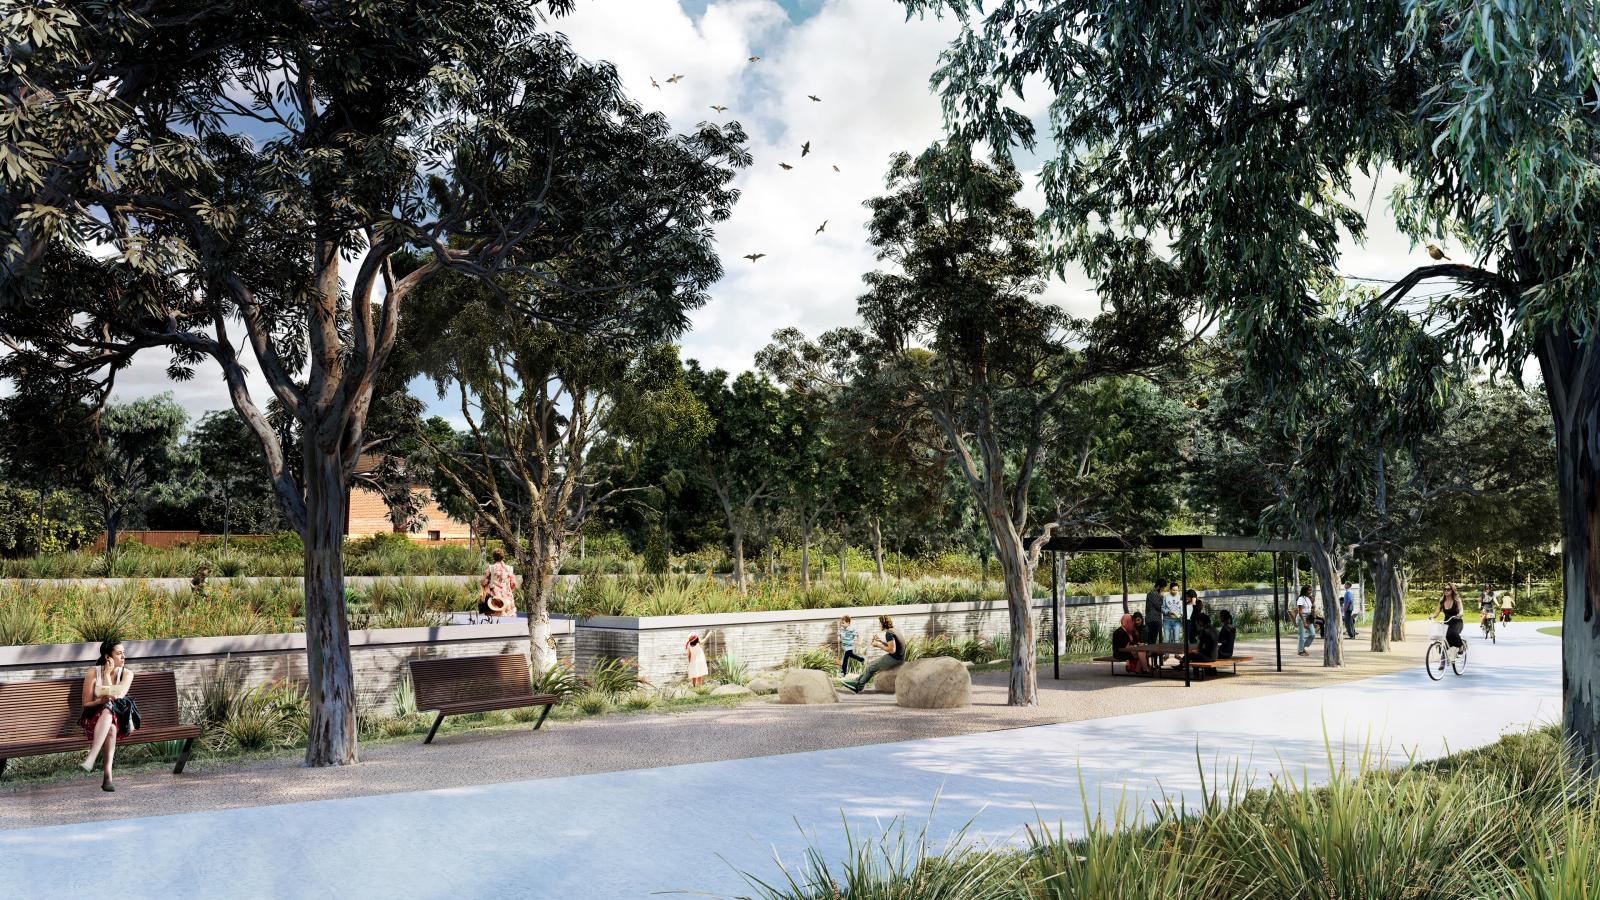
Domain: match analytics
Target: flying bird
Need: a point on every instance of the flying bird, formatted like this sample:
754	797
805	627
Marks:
805	149
755	59
836	168
674	79
1435	252
720	109
823	227
754	256
814	98
653	83
785	166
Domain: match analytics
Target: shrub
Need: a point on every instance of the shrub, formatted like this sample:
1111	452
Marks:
217	695
1000	646
614	676
21	621
592	702
975	650
103	615
638	700
730	669
266	716
823	659
559	680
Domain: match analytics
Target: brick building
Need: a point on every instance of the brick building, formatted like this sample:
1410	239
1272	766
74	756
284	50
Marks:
368	514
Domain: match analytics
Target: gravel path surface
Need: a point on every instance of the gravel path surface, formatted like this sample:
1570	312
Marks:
625	742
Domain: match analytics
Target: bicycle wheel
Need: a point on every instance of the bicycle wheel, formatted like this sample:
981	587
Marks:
1458	660
1434	661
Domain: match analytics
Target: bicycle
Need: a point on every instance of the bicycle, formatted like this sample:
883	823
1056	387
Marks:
1489	630
1441	654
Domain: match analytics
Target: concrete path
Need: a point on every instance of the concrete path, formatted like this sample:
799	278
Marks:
689	828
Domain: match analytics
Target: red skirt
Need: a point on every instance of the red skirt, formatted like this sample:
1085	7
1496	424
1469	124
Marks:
91	716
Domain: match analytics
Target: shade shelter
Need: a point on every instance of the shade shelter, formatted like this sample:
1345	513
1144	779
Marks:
1181	544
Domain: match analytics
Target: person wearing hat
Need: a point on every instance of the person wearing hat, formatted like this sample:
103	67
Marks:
697	659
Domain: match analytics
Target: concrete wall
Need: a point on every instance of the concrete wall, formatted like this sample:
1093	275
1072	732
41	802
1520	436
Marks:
764	640
378	655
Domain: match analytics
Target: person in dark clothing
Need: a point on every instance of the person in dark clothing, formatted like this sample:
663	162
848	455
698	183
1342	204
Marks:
1450	611
1192	600
1205	648
1152	615
1125	645
1225	634
894	653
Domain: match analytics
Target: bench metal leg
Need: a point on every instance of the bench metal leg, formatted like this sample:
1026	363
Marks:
3	768
183	756
541	717
434	729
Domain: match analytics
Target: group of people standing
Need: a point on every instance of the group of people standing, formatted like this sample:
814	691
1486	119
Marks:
1309	624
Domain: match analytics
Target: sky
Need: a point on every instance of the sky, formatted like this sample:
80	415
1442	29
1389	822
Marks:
870	69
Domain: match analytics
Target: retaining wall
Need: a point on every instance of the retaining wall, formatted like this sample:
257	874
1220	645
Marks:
379	656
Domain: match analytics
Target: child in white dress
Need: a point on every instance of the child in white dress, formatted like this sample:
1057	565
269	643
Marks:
697	659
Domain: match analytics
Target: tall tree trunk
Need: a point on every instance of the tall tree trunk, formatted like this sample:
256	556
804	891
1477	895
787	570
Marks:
1330	572
541	565
805	553
113	525
843	549
738	560
1402	584
877	546
1572	379
332	737
1023	687
1389	600
227	509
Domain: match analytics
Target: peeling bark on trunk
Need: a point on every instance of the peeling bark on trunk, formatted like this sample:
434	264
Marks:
330	676
738	560
805	556
1389	601
541	562
1330	572
877	546
1022	688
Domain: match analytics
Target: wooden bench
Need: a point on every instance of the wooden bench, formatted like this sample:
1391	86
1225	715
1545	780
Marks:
41	717
474	684
1223	661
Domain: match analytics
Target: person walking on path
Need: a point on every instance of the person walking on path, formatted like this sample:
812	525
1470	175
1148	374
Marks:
1347	608
498	594
697	660
1172	614
1152	615
108	711
894	653
847	646
1302	613
1506	605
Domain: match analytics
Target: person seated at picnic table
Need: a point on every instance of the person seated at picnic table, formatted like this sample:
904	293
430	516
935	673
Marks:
1125	646
894	653
1191	599
1205	647
1225	634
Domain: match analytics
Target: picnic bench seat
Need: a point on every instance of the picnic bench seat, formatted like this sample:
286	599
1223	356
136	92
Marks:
41	717
473	684
1197	664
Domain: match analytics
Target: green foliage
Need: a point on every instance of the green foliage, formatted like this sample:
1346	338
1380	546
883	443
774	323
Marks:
21	622
593	702
559	679
613	676
823	659
67	522
730	669
272	714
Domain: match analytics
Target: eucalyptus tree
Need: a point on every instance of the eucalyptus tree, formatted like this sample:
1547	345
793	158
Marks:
749	446
254	173
557	423
139	441
956	322
1233	131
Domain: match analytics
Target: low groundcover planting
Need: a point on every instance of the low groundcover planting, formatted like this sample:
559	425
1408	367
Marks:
1505	821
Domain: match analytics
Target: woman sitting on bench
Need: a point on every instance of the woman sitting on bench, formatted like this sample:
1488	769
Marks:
1125	646
107	709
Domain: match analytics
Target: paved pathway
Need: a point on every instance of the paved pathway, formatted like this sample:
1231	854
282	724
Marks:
689	827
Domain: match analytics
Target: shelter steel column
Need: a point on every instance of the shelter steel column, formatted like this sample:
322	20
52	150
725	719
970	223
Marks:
1277	619
1183	569
1055	611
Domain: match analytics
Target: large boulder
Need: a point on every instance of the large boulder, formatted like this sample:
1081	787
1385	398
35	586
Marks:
938	682
884	681
807	686
731	690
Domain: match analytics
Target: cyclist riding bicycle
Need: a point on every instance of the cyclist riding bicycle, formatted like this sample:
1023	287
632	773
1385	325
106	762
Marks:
1450	609
1488	607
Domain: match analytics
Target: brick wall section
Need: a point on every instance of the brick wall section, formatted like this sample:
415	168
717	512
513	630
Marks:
379	657
370	515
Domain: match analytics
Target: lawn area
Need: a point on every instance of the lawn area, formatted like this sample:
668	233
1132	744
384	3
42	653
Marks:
1503	821
1554	630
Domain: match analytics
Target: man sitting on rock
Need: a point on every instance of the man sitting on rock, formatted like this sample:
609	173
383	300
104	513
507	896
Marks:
894	653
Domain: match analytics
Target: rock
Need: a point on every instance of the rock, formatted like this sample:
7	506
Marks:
884	681
763	684
935	683
966	664
731	690
807	686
